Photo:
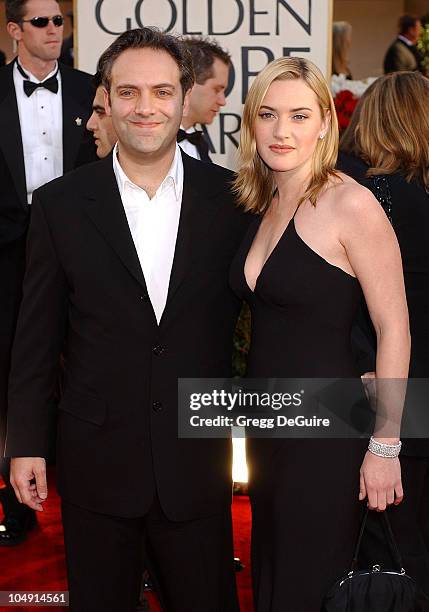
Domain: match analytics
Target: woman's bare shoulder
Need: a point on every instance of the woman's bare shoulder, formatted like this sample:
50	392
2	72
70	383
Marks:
350	197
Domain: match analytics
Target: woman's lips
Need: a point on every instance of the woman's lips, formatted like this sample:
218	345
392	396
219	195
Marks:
281	148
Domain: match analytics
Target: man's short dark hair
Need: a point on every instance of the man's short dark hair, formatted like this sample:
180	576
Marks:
406	22
204	51
148	38
97	80
15	10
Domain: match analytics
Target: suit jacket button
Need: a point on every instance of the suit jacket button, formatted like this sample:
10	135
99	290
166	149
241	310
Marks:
156	406
158	350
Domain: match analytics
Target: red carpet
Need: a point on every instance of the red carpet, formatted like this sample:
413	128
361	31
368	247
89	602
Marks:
38	563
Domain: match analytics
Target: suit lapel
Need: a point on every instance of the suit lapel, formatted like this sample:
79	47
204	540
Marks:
198	210
73	119
10	130
106	210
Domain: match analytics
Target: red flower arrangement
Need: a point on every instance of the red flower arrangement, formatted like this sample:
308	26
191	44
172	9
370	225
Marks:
345	103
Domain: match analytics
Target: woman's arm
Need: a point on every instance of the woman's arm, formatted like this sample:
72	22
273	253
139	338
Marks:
374	255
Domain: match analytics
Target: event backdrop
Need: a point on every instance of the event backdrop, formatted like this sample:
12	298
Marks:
253	31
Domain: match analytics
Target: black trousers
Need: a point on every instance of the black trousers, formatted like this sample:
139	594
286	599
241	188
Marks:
410	525
191	562
8	501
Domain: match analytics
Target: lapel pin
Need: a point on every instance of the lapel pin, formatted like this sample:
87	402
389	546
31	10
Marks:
78	121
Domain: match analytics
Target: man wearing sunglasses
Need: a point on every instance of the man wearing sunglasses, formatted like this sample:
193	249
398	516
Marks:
44	108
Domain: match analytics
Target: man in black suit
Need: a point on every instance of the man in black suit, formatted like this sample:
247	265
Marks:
128	276
403	53
211	67
43	112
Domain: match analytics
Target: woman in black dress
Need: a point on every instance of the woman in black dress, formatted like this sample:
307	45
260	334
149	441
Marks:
307	257
386	148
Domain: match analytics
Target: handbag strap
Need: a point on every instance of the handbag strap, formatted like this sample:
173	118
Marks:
359	540
394	549
383	194
392	541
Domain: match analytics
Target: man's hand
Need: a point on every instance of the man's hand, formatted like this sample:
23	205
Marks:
28	478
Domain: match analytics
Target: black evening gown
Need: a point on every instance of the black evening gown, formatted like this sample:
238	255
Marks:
410	520
304	492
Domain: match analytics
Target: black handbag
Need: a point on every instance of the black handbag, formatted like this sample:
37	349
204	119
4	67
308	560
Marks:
376	589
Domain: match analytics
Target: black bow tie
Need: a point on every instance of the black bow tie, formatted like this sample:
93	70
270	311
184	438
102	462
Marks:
30	87
197	139
51	84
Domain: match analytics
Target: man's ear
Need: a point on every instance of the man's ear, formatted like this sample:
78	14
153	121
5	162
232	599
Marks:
14	30
186	102
107	104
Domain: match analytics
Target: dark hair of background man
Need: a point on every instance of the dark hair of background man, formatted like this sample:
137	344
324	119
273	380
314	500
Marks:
148	38
97	80
406	22
15	10
204	51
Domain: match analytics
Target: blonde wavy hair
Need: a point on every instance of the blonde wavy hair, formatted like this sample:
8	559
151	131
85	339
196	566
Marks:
390	131
254	183
341	40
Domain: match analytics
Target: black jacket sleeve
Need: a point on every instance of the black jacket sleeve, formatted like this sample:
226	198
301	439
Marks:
38	343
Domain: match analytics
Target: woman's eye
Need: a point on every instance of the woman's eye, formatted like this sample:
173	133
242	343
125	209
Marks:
266	115
299	117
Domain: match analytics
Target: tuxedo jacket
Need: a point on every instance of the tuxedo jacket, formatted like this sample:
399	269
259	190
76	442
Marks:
85	296
78	147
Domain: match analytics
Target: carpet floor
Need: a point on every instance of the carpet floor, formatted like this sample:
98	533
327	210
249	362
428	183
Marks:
38	563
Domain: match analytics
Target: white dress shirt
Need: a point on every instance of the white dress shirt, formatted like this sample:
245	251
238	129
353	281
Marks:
153	225
405	40
187	146
41	120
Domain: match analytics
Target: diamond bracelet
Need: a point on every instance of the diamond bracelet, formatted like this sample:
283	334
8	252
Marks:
384	450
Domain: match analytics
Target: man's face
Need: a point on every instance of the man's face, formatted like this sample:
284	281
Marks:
414	33
39	43
145	102
206	100
101	125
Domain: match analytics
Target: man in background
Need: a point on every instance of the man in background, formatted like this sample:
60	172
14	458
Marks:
43	111
100	123
211	66
403	53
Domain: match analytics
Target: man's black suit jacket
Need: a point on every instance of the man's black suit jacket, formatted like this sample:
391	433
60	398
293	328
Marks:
85	295
78	147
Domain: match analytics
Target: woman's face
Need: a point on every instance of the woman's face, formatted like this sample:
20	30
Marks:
288	126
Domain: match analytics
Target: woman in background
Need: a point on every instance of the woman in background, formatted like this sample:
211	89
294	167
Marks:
341	43
313	247
386	148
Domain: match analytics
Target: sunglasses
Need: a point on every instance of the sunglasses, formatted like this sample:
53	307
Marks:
42	22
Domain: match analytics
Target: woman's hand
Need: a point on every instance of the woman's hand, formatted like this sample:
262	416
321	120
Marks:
380	481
